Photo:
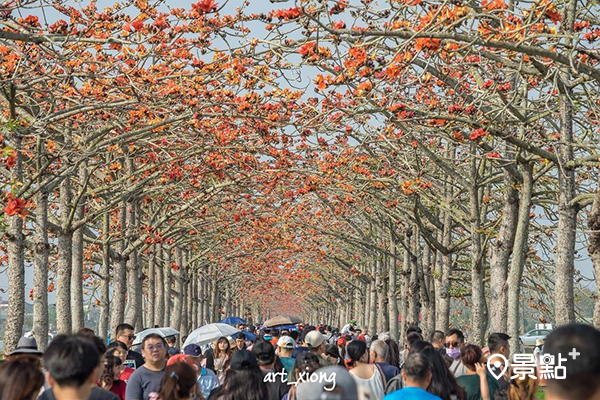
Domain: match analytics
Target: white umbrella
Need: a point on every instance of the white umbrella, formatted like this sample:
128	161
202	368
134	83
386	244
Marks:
164	332
209	333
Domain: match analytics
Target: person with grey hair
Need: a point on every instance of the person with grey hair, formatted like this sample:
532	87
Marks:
384	336
378	355
437	339
335	383
417	375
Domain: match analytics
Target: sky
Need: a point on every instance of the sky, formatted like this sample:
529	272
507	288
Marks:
582	262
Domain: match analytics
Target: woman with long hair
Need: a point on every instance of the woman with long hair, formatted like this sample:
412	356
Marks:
333	355
179	383
119	349
219	357
393	352
244	380
363	373
110	378
476	382
20	379
443	384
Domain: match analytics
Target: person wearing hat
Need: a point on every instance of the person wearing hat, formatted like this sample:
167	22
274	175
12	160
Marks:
538	350
192	355
25	346
245	380
265	356
348	328
27	349
285	349
341	345
315	341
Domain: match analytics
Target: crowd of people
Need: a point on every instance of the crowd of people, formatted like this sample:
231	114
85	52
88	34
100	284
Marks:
300	363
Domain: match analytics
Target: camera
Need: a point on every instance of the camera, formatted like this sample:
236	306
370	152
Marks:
547	359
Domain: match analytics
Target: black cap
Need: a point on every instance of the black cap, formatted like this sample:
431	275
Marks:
264	351
243	359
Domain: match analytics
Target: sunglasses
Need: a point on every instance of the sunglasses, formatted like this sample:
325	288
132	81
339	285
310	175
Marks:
452	344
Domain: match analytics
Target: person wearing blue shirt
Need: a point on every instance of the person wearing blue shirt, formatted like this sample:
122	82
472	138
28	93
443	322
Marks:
207	380
378	353
417	376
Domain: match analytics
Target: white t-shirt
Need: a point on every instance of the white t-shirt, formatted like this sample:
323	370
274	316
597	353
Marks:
457	368
374	383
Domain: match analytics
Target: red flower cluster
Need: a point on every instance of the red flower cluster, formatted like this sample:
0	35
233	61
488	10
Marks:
289	14
307	49
477	134
15	206
205	6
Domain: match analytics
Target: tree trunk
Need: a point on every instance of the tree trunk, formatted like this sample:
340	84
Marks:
442	315
201	297
105	280
151	286
373	300
177	304
77	271
40	273
594	249
404	293
190	301
184	305
564	304
194	296
519	257
139	292
214	295
120	275
476	331
227	301
131	311
16	263
133	316
501	251
382	322
160	284
207	297
65	261
392	300
427	297
167	279
369	308
413	288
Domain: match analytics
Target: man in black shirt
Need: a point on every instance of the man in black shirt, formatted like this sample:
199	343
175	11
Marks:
265	355
71	375
124	333
498	344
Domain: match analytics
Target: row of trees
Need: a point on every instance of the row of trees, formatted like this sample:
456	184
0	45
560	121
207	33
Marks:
164	165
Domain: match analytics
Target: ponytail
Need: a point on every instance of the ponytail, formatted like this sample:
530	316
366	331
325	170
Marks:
178	382
355	350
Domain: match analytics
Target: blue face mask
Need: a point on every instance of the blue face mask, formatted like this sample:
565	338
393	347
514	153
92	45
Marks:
453	353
